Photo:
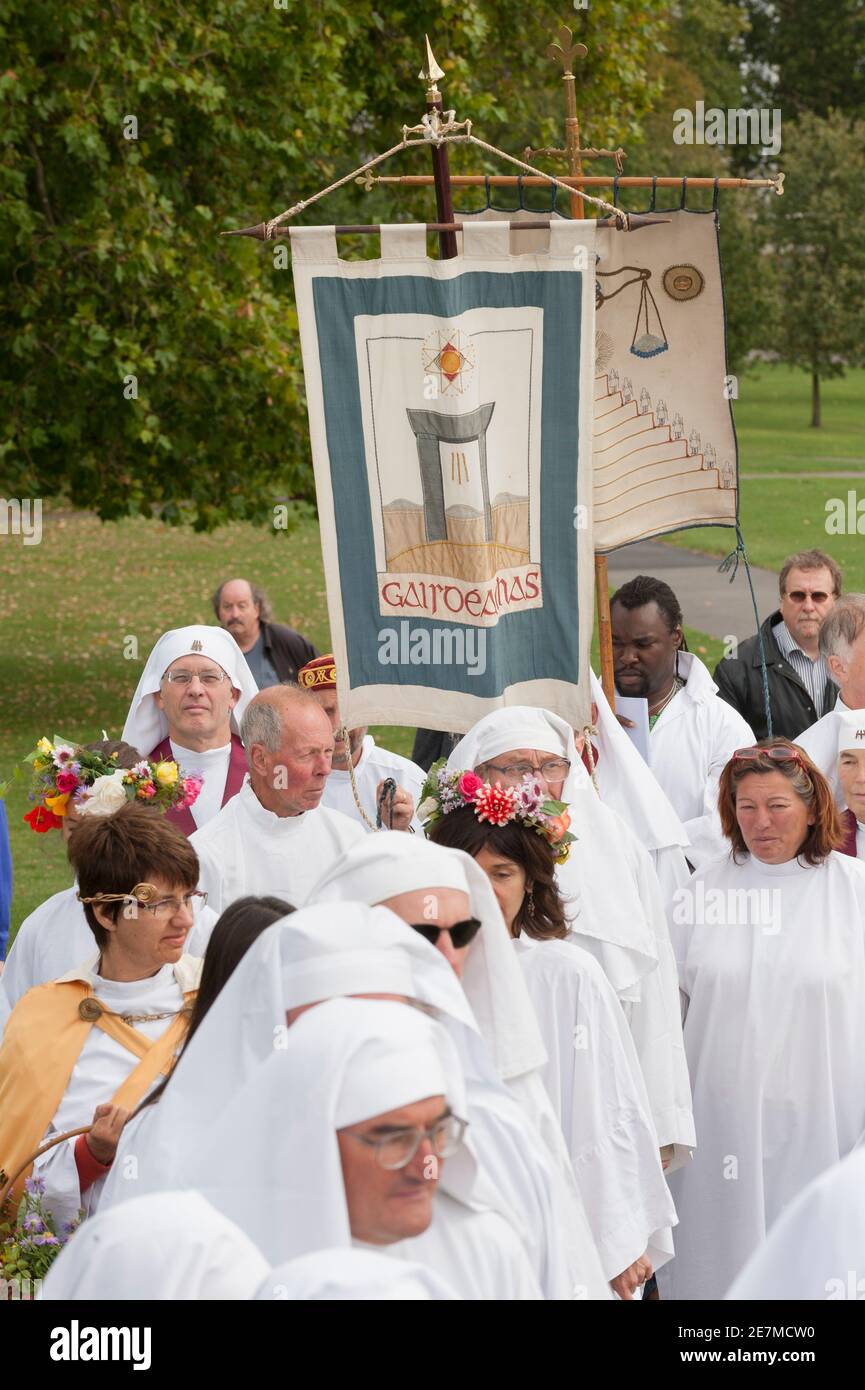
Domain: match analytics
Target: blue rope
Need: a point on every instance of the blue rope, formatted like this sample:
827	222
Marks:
732	560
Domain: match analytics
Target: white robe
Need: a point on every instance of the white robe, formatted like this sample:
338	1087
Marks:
594	1081
652	1007
775	1037
820	742
476	1252
248	849
816	1249
690	745
55	937
121	1255
626	784
101	1068
374	764
212	767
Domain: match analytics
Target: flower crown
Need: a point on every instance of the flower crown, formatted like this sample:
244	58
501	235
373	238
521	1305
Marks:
96	786
445	791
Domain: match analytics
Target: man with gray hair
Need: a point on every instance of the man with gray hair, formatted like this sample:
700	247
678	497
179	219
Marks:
274	838
800	688
842	643
274	652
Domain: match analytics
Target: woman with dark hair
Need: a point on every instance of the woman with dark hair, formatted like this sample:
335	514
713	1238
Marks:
592	1074
770	944
237	929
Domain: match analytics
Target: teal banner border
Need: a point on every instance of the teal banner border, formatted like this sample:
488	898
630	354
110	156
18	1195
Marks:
538	644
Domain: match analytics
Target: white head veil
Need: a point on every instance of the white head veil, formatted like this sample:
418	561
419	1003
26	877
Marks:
334	949
594	879
166	1245
383	866
271	1161
146	724
354	1275
629	786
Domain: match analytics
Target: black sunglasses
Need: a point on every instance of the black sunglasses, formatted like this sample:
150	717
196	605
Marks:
461	933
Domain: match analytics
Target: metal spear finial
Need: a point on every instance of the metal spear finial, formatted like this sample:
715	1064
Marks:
432	72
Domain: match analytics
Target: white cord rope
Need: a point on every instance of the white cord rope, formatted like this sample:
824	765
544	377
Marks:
273	225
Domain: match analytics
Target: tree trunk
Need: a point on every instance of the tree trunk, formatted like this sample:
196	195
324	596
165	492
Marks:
816	418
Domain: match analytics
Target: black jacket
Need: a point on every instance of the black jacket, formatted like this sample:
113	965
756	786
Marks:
740	682
286	650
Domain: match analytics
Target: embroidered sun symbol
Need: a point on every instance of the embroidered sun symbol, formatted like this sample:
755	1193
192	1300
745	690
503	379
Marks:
449	355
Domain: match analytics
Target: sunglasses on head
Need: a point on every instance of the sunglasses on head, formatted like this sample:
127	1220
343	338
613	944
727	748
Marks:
461	933
775	755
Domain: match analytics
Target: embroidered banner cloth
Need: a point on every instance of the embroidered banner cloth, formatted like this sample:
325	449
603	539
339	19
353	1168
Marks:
450	408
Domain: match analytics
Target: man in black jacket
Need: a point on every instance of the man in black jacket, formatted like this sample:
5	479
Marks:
274	652
800	690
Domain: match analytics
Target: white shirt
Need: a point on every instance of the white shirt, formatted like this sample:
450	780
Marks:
477	1252
248	849
55	937
814	1250
775	1038
101	1068
689	746
212	767
820	742
373	765
594	1081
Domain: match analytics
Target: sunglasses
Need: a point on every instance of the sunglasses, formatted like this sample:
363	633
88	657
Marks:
799	596
775	755
461	933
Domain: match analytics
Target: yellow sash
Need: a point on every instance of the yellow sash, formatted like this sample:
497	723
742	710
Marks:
42	1042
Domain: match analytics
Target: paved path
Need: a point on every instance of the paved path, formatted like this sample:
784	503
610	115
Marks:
709	601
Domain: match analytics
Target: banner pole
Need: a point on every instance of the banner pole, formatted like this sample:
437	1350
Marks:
441	169
565	52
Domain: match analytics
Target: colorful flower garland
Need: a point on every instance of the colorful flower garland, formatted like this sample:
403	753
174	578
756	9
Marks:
64	772
445	791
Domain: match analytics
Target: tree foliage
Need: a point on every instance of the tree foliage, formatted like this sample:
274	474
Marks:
149	365
817	231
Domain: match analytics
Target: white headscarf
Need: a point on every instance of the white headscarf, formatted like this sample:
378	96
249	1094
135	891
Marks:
166	1245
594	879
851	730
383	866
271	1161
347	948
146	724
354	1275
629	786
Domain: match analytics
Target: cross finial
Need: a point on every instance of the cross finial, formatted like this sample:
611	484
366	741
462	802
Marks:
565	51
432	72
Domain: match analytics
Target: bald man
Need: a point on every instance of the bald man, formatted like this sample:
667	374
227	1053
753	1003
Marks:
274	652
275	837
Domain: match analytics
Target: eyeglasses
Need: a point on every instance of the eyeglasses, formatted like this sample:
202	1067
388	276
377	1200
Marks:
461	933
800	595
396	1150
166	907
555	770
775	755
187	677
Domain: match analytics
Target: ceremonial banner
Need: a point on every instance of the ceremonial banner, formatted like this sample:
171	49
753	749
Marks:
450	409
665	454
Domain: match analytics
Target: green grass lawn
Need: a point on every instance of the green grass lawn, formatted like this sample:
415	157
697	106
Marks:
69	606
782	514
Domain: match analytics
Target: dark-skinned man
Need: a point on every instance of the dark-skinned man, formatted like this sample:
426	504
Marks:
693	733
